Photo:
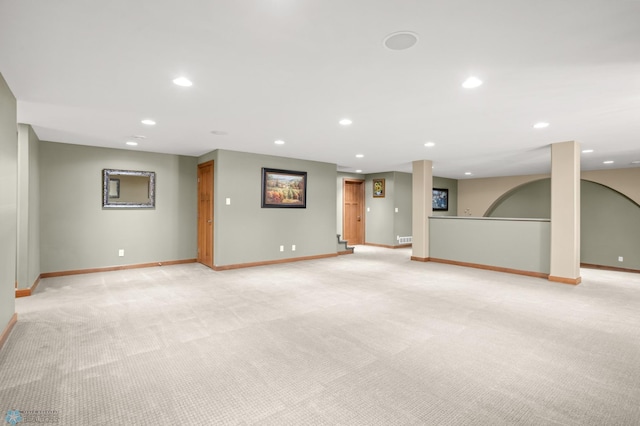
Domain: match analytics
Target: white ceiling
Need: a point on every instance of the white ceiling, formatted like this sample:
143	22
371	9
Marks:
86	72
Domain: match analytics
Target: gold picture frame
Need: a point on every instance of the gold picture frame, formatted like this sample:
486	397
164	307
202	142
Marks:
378	188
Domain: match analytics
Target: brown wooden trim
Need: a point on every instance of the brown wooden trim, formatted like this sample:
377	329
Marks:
608	268
403	246
35	283
388	246
491	268
24	292
115	268
7	330
340	253
420	259
572	281
272	262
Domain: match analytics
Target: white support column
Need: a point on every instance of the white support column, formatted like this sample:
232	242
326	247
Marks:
422	188
565	213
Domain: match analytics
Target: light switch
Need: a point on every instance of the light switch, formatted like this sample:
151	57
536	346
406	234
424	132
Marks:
228	201
396	210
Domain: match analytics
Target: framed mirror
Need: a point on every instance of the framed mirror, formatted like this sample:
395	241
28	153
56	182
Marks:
128	189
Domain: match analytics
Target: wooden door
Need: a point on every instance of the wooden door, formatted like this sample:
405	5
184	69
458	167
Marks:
205	213
353	211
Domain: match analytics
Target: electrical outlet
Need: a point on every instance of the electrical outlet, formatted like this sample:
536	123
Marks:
396	210
620	258
281	248
228	201
293	247
121	252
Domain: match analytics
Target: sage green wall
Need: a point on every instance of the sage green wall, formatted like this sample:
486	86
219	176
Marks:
244	232
515	244
452	186
531	200
610	227
403	200
383	225
28	246
8	202
610	222
379	214
77	233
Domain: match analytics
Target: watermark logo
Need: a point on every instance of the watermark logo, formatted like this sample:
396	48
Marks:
24	417
13	417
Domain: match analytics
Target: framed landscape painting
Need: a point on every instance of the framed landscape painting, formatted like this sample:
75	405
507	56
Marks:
440	199
284	188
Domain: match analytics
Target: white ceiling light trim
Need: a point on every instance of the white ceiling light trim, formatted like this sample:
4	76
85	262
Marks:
182	81
587	151
345	122
430	144
132	143
472	82
541	125
400	40
279	142
148	122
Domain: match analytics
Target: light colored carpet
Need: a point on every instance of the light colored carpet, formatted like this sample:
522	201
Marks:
366	339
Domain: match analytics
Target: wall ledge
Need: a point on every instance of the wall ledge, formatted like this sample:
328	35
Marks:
272	262
7	330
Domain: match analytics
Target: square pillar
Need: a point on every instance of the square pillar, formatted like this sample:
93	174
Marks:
565	213
422	209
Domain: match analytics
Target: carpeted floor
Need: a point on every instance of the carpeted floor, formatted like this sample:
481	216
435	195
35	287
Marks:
366	339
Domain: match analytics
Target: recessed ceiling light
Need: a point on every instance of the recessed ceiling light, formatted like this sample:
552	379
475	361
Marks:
359	155
608	162
541	125
219	132
279	142
182	81
132	143
358	171
139	137
468	173
148	122
587	151
472	83
430	144
635	162
400	40
345	122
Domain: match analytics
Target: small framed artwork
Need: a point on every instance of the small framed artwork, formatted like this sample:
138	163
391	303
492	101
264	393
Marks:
440	199
284	188
378	188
